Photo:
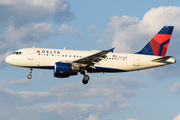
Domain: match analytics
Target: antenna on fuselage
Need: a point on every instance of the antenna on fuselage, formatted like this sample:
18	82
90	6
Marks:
64	48
34	46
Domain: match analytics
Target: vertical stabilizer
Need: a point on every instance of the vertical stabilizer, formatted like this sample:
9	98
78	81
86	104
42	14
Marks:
159	43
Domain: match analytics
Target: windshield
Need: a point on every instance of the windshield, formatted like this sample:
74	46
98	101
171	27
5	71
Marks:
18	53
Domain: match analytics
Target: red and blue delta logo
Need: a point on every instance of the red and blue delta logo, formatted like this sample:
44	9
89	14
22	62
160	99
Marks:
37	51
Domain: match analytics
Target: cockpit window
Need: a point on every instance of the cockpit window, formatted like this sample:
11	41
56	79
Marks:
17	53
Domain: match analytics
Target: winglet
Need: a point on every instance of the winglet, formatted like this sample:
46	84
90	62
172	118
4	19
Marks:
112	49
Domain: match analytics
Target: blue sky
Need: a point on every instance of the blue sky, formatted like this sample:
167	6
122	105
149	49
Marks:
151	94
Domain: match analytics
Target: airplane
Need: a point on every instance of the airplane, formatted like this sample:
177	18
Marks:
66	63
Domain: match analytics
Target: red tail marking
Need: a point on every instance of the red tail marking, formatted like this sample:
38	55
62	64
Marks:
156	42
165	47
160	38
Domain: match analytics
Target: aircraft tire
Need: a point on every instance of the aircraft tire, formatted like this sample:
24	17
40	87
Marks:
29	76
85	79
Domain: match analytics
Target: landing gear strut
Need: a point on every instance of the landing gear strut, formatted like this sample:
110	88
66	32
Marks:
30	72
86	77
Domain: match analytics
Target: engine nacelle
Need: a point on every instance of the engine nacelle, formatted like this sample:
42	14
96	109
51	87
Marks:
62	70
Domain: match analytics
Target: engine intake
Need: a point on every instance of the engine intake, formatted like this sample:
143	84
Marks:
62	70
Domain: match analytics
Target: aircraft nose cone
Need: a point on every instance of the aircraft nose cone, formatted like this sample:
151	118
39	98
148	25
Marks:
7	59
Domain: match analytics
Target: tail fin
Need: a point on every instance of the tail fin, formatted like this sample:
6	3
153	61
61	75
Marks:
159	43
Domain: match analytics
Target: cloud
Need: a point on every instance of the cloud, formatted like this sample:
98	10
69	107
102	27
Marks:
31	32
56	102
2	84
177	117
122	29
78	111
37	31
91	27
22	12
40	74
129	34
103	42
74	93
165	72
92	117
132	119
19	82
69	30
175	88
125	81
3	56
24	36
23	98
24	22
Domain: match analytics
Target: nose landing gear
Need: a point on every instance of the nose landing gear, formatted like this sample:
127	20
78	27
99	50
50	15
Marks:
30	72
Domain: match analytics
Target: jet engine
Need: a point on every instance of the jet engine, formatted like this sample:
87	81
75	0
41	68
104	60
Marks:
62	70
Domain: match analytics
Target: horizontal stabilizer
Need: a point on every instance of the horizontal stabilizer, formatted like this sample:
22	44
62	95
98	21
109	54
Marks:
162	59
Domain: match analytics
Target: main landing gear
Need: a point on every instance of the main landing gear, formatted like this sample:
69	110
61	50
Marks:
30	72
86	77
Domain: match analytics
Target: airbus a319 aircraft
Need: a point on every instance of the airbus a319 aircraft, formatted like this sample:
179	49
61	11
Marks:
66	63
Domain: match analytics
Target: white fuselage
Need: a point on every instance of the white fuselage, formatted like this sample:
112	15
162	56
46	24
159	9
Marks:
114	62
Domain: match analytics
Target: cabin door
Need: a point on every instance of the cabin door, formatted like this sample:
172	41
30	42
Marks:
136	60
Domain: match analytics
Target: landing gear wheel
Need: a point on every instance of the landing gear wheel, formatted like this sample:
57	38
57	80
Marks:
30	72
29	76
85	79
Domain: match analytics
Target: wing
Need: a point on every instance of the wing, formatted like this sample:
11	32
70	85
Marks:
93	59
